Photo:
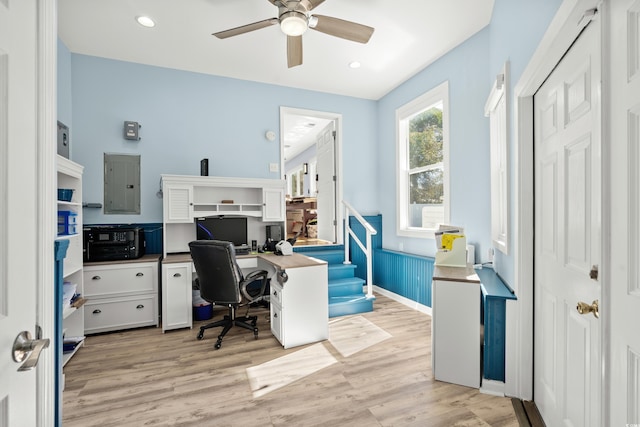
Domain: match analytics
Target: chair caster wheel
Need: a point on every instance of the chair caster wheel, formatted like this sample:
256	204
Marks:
218	345
255	334
200	335
253	323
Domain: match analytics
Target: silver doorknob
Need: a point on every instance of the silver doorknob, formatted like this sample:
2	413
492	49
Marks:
27	350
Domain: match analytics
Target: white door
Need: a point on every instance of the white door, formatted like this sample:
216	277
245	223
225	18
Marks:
624	194
19	250
567	359
326	185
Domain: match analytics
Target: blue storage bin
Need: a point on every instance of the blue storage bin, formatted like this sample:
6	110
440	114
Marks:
65	194
67	223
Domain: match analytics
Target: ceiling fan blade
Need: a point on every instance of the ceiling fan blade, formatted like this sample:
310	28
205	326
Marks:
341	28
294	51
246	28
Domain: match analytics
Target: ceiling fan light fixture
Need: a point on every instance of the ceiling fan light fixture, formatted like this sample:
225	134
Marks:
293	23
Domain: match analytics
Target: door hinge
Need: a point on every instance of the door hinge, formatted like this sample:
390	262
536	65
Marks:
334	134
334	178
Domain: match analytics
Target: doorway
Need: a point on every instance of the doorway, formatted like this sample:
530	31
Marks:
310	158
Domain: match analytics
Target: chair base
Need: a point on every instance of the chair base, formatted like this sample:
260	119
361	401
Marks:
229	321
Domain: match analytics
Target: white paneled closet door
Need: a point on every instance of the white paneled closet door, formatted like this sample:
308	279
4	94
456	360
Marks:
567	359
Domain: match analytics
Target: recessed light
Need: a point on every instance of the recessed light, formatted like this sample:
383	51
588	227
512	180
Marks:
145	21
354	64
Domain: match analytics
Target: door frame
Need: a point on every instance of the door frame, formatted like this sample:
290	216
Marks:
337	119
47	38
560	35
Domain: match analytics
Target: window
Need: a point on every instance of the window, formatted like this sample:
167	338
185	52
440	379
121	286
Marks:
296	182
496	109
423	153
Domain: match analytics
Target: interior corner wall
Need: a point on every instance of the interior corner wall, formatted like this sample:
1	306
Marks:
187	116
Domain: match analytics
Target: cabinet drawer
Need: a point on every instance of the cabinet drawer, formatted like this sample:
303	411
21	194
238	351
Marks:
119	280
120	313
276	322
275	294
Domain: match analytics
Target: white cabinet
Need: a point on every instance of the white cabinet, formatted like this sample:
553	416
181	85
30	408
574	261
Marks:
299	299
176	292
273	204
121	294
69	177
455	326
178	206
186	198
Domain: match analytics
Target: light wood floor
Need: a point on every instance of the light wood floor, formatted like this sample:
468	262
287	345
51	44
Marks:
144	377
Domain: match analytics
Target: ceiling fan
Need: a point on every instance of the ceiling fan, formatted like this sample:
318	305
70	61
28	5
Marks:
294	18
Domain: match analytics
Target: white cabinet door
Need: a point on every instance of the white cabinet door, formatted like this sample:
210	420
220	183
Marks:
179	204
273	204
176	296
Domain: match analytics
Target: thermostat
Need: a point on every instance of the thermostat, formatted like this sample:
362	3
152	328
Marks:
131	131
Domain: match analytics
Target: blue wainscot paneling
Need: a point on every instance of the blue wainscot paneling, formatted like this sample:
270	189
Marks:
358	257
404	274
495	294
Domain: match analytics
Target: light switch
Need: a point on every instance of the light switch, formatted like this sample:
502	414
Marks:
273	167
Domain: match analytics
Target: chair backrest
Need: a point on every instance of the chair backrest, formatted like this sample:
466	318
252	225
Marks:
217	270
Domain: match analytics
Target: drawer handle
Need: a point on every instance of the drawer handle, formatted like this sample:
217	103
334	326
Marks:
140	306
96	278
177	275
96	311
275	293
139	274
275	314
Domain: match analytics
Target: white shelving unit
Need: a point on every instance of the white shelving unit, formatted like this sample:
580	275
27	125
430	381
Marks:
70	177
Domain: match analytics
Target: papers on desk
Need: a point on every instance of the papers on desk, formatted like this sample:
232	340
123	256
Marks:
451	245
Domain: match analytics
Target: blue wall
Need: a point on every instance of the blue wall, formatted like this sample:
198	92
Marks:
515	31
466	70
186	117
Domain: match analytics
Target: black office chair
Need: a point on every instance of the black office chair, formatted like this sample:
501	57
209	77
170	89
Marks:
222	283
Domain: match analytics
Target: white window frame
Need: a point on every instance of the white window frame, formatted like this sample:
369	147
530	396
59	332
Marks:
496	109
436	95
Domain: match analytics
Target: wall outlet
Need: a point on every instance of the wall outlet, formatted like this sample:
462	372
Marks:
490	255
273	167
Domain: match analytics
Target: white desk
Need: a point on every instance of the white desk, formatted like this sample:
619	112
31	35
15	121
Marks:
299	305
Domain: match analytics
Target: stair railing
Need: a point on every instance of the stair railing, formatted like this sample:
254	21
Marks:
366	248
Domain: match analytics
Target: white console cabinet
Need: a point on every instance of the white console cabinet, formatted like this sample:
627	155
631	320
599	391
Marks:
455	326
121	294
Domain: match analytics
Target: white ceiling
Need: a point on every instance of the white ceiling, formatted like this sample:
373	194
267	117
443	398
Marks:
409	35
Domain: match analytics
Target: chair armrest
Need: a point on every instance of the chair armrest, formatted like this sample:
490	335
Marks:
250	278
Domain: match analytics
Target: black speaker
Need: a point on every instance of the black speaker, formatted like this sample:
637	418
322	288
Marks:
204	167
274	232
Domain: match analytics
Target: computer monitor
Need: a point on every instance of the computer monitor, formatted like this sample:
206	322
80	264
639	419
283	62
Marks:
230	229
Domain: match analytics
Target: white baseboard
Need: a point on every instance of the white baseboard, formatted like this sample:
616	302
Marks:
404	301
492	387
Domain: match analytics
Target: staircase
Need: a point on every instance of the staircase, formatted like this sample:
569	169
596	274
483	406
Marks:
346	294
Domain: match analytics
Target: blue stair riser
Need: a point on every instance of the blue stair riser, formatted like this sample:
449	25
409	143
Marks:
332	256
341	271
350	286
342	306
